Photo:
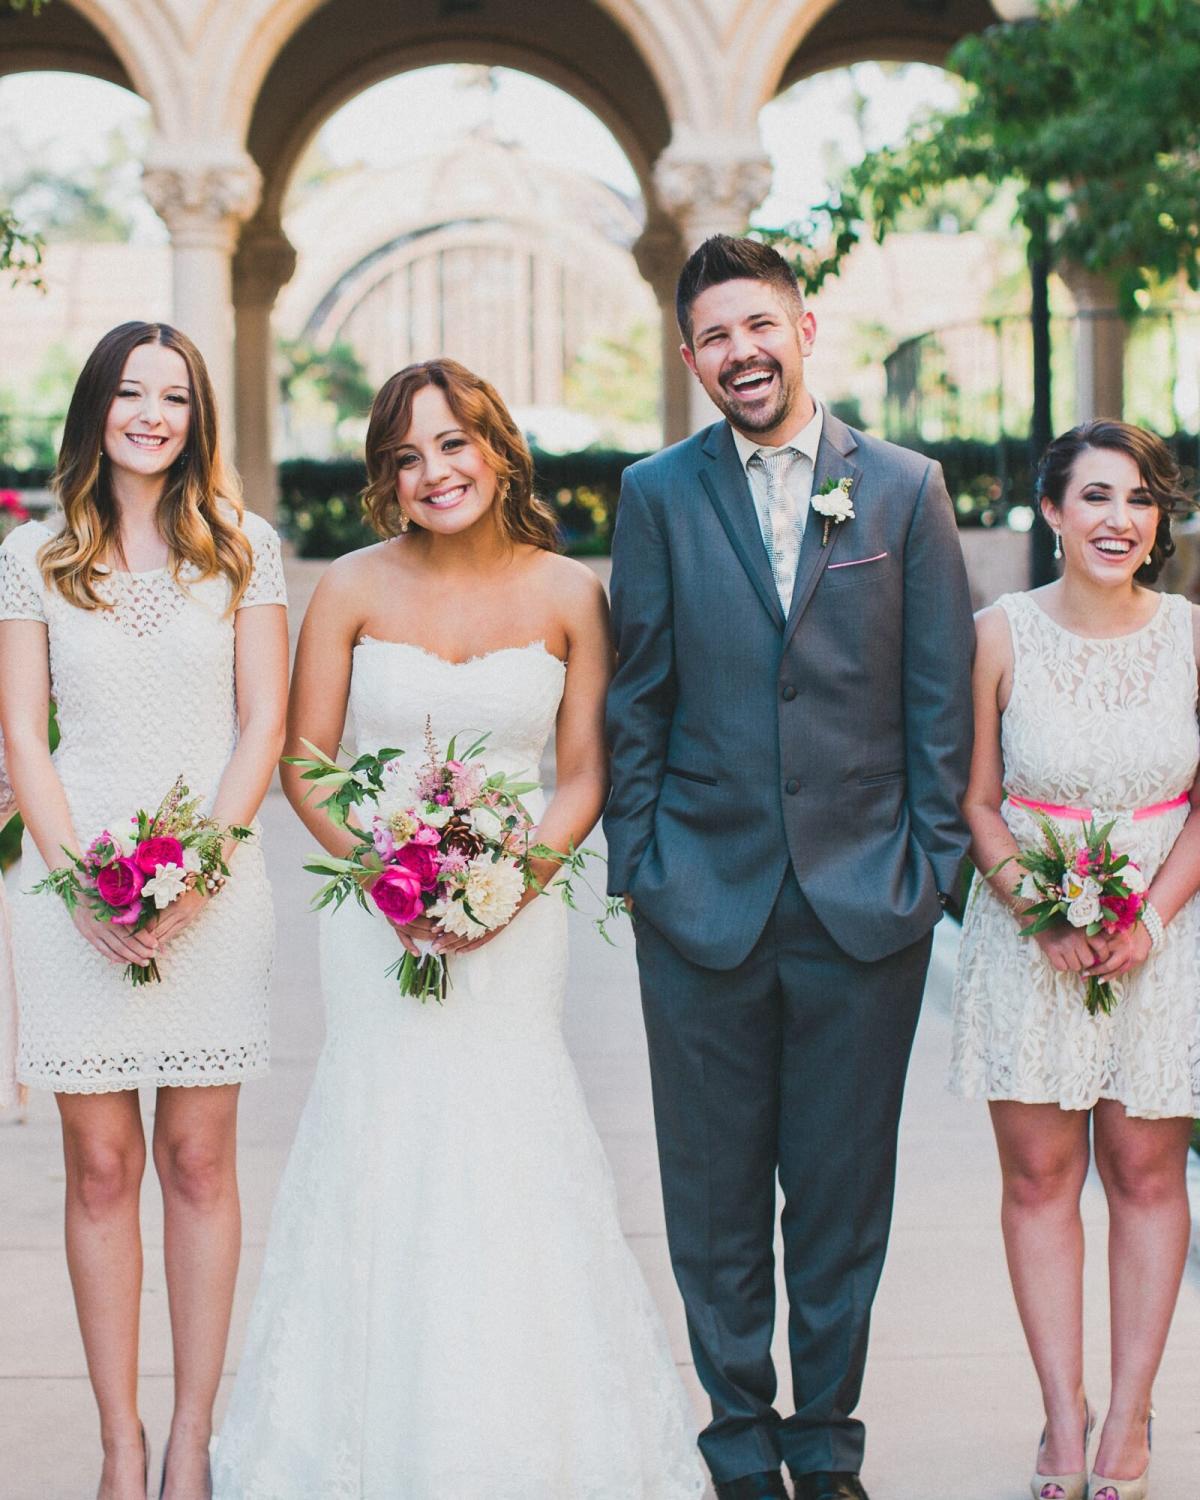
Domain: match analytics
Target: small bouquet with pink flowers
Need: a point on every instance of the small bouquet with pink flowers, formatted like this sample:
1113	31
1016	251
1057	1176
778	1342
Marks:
12	512
1088	885
127	878
454	843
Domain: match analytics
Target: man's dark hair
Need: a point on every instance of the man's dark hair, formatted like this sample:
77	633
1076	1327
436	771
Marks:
724	258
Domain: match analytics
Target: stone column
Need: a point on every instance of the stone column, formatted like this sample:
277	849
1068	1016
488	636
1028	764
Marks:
659	255
264	262
1099	344
705	187
204	203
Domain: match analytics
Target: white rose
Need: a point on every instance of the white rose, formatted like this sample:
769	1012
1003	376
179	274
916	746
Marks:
166	885
1083	910
835	503
1133	878
1091	887
437	817
487	824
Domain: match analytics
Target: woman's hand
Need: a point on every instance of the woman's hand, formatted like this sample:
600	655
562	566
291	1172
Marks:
167	924
1125	950
1070	950
412	934
117	944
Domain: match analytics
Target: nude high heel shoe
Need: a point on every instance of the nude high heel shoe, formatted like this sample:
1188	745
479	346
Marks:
1125	1489
1068	1486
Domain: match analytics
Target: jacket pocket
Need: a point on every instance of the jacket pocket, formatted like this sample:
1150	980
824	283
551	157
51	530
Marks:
691	776
881	778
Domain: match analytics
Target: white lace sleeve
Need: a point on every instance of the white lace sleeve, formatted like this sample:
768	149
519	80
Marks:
266	584
20	585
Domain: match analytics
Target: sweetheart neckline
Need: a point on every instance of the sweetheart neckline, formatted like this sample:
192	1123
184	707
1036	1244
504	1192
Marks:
539	645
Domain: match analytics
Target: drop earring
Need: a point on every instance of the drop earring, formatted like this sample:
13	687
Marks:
404	522
1058	546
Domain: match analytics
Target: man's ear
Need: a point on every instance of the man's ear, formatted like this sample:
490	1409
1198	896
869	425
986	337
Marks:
689	358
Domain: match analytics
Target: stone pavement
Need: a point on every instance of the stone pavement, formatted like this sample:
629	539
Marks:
950	1398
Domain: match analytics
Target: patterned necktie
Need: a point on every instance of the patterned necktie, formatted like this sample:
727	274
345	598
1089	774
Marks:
780	534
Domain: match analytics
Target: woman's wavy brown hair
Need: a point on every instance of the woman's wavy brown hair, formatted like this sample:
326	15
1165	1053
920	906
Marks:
523	517
200	509
1156	464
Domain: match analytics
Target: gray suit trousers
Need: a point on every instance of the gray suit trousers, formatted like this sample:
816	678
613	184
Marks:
791	1064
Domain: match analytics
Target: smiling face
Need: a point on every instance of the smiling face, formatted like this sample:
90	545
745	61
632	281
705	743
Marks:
1108	519
444	482
749	344
147	423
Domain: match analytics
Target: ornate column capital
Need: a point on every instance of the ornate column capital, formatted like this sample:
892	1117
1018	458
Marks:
203	203
712	186
264	262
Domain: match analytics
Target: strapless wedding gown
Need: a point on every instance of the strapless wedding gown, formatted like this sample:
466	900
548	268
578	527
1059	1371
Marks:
448	1309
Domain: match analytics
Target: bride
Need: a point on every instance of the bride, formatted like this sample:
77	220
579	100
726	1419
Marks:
448	1307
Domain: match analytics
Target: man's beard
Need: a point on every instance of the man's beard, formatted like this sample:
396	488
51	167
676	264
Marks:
765	421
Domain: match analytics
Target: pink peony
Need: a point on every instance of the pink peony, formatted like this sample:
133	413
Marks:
422	860
1083	863
381	837
426	835
158	851
1121	912
397	894
120	883
129	916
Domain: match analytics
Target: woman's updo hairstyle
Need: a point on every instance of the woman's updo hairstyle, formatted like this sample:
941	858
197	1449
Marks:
1156	464
522	514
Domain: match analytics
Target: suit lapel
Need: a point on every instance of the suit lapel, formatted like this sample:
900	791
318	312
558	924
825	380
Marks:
833	462
725	480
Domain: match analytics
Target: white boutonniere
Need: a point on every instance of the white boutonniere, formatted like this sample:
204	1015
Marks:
833	502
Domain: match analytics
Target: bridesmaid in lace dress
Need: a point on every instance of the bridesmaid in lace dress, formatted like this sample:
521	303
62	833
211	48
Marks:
152	614
8	992
1085	704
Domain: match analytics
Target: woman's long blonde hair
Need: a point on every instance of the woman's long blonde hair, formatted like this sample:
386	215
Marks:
200	510
522	515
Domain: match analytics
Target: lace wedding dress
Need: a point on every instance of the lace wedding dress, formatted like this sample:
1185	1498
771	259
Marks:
448	1308
144	693
8	988
1108	725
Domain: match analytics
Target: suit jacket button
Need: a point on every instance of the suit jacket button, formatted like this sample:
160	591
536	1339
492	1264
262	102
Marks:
792	787
789	693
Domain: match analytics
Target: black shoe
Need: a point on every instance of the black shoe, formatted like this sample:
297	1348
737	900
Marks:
765	1486
829	1487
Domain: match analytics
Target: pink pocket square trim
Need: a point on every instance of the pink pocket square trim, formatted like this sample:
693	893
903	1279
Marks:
857	562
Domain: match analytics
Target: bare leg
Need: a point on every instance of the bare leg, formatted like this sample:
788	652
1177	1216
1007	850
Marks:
1044	1161
105	1155
195	1151
1143	1165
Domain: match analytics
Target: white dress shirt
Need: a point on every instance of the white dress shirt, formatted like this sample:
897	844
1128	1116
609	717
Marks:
799	478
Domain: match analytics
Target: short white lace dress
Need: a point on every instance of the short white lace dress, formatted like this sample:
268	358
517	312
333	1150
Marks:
144	693
1108	725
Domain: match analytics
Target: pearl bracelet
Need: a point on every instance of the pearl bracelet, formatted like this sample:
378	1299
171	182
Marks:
1153	924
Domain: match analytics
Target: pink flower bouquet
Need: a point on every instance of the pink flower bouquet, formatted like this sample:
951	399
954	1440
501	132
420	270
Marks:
127	879
1089	886
455	844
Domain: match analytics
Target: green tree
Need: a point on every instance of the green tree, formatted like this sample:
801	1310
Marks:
20	251
1091	111
617	381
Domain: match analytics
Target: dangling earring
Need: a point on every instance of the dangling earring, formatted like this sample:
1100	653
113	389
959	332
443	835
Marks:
1058	546
404	522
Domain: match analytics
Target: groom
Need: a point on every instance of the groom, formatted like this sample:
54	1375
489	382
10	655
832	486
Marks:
790	725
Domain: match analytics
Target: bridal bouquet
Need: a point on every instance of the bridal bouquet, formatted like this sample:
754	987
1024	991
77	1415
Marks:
1089	886
454	843
127	878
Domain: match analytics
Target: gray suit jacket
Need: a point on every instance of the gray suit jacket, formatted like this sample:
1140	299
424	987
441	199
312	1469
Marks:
838	739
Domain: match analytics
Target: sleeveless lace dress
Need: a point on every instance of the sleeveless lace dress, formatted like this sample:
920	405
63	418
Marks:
1110	725
448	1308
8	988
144	693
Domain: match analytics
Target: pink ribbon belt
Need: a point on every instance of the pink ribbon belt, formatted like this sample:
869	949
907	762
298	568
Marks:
1086	814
